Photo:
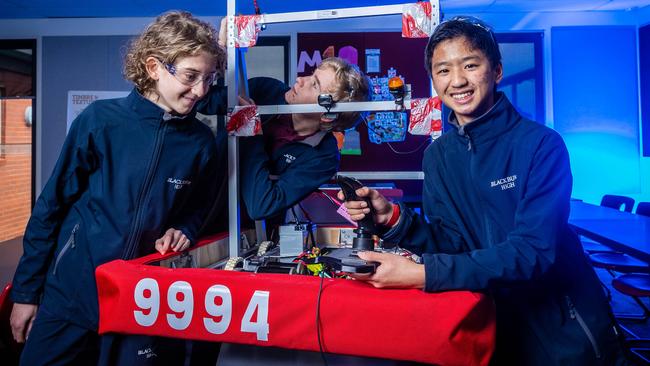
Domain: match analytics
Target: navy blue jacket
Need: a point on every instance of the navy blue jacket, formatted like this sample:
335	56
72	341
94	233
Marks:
496	200
127	172
271	182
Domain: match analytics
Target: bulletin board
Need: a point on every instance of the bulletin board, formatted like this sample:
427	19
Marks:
376	53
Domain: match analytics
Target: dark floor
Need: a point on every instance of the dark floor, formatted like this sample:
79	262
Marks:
10	252
624	305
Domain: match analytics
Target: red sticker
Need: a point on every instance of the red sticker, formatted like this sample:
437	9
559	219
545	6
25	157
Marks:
244	121
426	117
416	20
248	27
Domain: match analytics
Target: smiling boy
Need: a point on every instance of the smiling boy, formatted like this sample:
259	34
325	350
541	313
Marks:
496	200
132	178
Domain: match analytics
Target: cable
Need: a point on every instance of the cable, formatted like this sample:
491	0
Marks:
304	212
295	216
309	220
425	142
311	236
271	237
320	344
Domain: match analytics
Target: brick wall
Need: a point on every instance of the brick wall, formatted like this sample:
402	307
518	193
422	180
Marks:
15	168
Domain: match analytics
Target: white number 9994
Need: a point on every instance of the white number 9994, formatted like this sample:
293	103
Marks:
218	305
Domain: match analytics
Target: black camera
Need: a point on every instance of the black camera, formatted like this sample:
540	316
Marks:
327	101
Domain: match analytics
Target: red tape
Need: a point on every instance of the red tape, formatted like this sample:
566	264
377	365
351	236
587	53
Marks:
248	28
244	121
426	117
416	20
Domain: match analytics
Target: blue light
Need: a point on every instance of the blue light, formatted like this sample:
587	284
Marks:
595	107
602	163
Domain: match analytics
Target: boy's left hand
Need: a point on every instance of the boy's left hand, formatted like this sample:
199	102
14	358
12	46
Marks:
174	239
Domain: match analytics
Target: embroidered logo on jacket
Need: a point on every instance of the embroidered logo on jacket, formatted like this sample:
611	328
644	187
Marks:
147	353
178	183
289	158
505	183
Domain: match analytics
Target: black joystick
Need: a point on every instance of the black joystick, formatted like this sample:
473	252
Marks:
366	227
346	259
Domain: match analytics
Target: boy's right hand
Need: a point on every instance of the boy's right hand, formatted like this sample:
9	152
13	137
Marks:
358	209
21	320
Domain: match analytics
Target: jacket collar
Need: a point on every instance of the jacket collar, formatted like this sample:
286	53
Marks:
147	109
314	139
500	118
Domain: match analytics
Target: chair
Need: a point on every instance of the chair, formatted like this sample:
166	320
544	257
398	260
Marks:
623	263
592	247
619	262
636	285
613	261
633	284
617	202
643	208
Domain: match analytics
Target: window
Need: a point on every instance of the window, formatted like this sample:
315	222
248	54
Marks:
523	72
17	91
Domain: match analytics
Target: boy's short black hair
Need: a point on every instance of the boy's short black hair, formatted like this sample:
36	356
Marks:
478	33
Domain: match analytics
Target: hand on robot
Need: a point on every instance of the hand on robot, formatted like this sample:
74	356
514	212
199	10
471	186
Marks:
174	240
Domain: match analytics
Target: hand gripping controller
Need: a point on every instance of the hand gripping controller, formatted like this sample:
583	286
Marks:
366	227
346	259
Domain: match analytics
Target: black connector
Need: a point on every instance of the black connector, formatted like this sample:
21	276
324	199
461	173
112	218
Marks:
327	101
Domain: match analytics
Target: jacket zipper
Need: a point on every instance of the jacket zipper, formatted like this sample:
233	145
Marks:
135	234
575	315
486	222
68	244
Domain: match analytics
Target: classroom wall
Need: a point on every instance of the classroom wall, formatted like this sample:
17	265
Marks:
74	63
596	107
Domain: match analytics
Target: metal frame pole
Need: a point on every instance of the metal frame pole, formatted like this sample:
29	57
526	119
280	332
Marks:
233	143
234	242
